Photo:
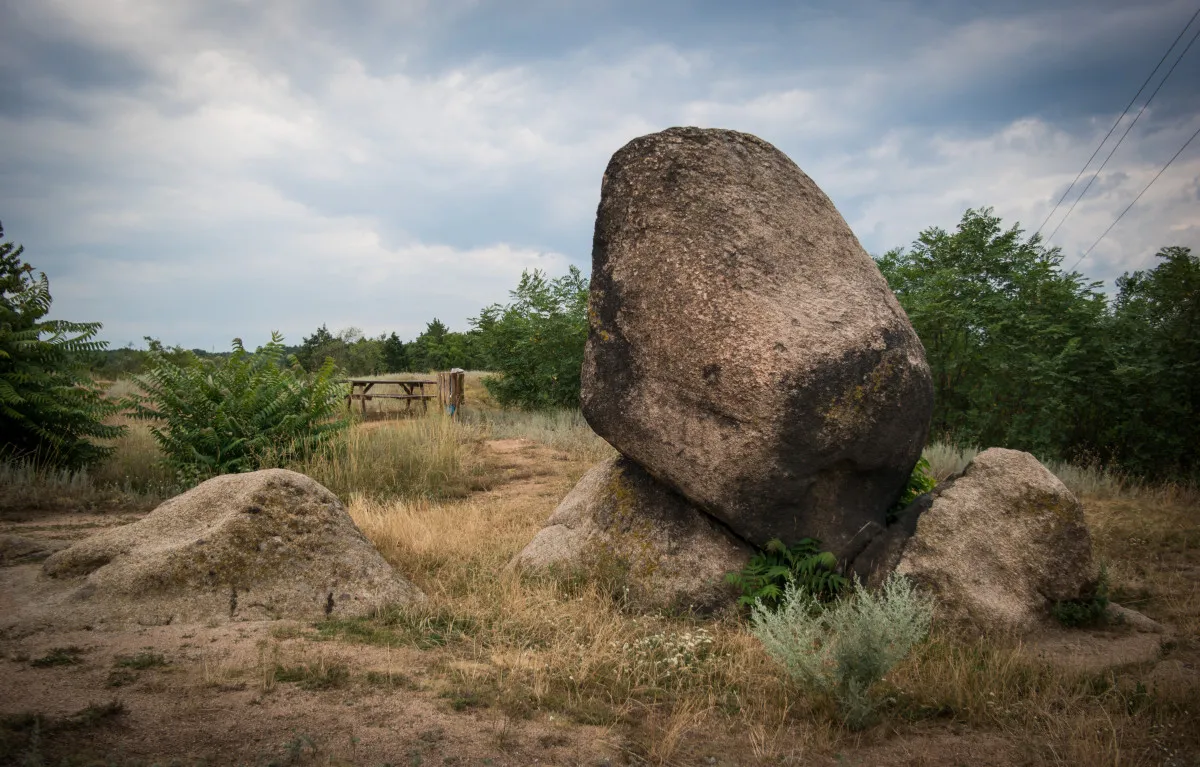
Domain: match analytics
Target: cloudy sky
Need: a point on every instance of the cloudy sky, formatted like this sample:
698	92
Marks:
197	170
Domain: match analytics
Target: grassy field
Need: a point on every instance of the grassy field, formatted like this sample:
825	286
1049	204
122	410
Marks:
449	503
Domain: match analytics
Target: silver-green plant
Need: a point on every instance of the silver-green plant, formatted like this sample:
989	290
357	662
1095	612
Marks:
843	649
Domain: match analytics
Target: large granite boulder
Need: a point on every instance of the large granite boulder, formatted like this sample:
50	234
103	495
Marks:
669	553
267	544
998	545
743	347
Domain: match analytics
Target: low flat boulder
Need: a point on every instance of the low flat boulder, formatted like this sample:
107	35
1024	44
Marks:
19	550
262	545
672	555
1000	544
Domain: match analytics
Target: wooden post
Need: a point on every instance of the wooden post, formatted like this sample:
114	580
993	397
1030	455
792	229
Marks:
450	391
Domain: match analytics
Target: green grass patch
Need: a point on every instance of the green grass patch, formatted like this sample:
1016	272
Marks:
142	660
462	699
321	675
60	656
24	735
391	679
399	626
120	677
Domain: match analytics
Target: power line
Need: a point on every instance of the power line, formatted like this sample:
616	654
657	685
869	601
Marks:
1123	135
1124	112
1135	199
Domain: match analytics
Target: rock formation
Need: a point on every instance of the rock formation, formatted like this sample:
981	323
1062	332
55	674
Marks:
747	359
997	545
674	555
743	347
267	544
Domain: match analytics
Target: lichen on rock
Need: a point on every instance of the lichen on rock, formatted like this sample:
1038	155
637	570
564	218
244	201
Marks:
266	544
673	555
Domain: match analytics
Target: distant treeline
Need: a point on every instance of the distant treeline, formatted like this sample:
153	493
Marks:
535	342
438	348
1023	354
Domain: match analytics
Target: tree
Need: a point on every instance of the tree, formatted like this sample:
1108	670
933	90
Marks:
1013	343
439	348
536	341
315	348
395	354
1152	426
50	409
359	355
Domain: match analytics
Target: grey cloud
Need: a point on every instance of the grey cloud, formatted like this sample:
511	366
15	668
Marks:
228	163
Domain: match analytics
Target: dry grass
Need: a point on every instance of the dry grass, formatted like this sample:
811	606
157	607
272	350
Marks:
1066	717
426	456
132	476
429	456
568	647
564	430
1152	551
564	646
120	389
136	463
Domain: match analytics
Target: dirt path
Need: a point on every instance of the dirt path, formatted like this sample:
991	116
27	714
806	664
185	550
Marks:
215	694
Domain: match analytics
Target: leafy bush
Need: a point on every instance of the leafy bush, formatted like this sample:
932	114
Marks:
536	342
49	407
770	572
844	649
921	481
247	414
1090	611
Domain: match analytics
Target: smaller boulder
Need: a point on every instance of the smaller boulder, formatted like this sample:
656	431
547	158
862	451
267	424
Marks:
1000	544
1119	615
18	550
266	544
671	554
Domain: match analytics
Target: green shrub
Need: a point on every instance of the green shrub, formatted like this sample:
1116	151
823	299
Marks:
247	414
49	407
845	648
770	572
536	342
1090	611
921	481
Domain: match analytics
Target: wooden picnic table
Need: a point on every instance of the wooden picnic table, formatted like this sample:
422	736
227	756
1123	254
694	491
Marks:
413	390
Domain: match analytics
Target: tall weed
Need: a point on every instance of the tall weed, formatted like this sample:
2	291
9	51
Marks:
843	650
426	457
